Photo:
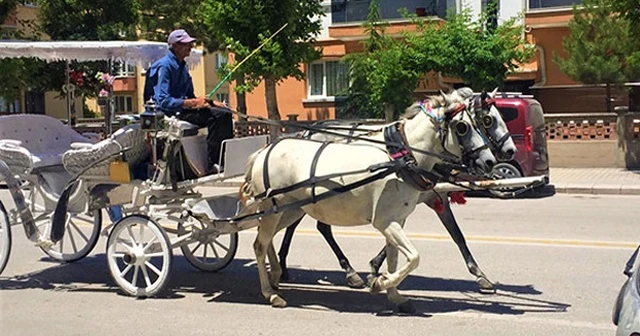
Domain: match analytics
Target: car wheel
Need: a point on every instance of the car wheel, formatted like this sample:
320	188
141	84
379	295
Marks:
505	170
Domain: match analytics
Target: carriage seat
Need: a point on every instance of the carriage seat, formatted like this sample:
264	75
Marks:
87	159
31	141
189	129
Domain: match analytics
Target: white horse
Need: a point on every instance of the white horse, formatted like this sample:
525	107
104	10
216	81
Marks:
437	127
487	119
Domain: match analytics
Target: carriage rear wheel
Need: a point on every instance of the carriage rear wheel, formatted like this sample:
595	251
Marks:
139	256
209	253
82	230
5	238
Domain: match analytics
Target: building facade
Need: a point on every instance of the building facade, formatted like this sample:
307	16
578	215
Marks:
545	25
316	97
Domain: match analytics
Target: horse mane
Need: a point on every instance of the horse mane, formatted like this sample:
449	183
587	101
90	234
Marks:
415	108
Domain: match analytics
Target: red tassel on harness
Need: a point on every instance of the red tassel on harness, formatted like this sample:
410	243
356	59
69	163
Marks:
438	206
457	197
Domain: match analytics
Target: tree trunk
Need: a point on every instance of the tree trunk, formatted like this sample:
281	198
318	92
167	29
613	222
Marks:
388	113
241	98
608	89
272	105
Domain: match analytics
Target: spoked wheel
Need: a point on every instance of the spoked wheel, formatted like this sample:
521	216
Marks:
5	238
82	231
211	252
139	256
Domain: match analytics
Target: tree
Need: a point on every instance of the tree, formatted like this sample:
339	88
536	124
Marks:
158	18
598	46
480	52
89	19
384	75
244	25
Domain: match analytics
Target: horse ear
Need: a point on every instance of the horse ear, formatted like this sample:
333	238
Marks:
493	93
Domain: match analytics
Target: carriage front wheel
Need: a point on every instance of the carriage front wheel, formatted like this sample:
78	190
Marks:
5	238
139	256
210	252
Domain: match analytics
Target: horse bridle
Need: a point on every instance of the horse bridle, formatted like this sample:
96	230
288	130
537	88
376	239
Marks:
484	122
468	155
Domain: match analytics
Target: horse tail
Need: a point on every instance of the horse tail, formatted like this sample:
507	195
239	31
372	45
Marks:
246	190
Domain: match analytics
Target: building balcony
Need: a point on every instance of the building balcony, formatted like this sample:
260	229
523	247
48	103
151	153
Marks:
125	84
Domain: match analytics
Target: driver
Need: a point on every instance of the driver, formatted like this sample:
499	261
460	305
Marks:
169	83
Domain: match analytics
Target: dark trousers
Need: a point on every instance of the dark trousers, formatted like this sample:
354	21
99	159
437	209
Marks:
219	124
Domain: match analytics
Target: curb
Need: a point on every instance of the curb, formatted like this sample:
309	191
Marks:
597	188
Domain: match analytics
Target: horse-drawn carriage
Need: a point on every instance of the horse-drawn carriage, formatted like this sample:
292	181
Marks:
150	173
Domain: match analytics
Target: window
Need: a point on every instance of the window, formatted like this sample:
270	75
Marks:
124	69
221	60
9	107
124	104
534	4
222	97
327	79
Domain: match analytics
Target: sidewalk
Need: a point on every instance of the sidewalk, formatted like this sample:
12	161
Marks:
595	181
592	181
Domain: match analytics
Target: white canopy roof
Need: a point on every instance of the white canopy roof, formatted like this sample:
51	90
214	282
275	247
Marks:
140	52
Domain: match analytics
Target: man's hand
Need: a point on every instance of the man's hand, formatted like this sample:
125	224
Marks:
216	103
195	103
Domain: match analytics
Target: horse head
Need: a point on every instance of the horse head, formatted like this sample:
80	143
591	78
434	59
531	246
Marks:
490	122
456	130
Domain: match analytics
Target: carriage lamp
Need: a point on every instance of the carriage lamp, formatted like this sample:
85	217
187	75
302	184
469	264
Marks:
151	119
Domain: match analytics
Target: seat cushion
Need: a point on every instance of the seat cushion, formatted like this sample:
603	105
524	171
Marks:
92	160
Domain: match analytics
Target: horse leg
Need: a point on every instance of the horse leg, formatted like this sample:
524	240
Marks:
276	271
404	305
395	236
353	279
284	249
266	231
449	222
376	263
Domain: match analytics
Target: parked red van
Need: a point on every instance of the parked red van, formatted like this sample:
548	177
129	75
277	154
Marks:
525	119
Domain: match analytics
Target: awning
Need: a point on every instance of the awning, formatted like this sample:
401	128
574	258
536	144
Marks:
139	52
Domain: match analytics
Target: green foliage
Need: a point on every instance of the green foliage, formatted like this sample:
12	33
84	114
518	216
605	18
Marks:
158	18
87	20
476	51
386	72
243	25
599	45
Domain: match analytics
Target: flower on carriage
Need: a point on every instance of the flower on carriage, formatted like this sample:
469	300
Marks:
105	81
77	77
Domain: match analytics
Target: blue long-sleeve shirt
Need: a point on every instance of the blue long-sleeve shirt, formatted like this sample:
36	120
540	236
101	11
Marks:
169	83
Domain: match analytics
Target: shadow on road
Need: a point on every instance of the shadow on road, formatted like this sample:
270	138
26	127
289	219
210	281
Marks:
308	289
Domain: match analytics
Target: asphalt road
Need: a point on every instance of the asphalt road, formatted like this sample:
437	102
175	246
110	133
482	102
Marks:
557	263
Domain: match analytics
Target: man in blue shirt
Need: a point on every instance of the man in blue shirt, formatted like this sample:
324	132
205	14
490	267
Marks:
170	85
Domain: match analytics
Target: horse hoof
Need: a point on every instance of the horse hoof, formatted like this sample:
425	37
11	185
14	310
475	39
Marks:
354	280
486	286
375	285
277	301
406	308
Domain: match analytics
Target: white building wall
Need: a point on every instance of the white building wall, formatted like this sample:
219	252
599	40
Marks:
474	5
512	8
326	19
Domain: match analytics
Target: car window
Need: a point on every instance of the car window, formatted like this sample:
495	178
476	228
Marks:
508	113
536	116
